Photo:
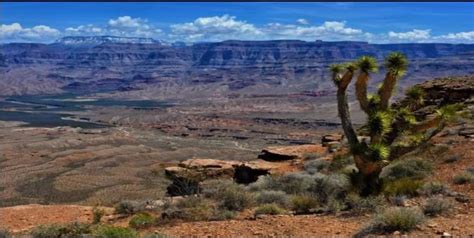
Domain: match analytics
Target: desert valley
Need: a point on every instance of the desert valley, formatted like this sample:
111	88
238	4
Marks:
230	138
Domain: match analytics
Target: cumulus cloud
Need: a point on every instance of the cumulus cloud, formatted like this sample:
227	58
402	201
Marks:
215	28
302	21
15	32
460	37
329	30
84	30
226	27
413	35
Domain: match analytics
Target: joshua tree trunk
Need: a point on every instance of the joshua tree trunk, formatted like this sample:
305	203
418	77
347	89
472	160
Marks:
385	125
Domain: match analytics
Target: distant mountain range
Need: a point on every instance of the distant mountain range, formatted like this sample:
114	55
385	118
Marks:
157	68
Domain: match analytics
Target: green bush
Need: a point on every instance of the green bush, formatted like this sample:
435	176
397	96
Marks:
362	205
155	235
408	168
233	198
437	206
334	205
269	209
340	161
271	196
393	219
97	215
4	233
107	231
61	230
129	207
220	215
463	178
311	156
404	186
432	188
314	166
334	186
470	170
211	187
303	204
294	183
141	220
266	182
191	208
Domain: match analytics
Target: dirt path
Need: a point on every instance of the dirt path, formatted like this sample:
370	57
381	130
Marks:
304	225
26	217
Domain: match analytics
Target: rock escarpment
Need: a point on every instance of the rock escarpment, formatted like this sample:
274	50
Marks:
229	66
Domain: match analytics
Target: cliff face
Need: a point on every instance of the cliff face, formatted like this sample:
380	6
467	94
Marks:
242	66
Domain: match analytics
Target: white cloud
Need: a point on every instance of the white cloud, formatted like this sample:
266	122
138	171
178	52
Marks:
215	28
460	37
413	35
227	27
127	22
302	21
15	32
84	30
329	30
129	26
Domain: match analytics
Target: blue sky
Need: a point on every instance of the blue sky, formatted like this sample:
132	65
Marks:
196	22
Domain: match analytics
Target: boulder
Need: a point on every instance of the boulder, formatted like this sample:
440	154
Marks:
331	139
279	153
189	173
248	172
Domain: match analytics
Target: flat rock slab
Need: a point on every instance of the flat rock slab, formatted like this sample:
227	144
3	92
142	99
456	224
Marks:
278	153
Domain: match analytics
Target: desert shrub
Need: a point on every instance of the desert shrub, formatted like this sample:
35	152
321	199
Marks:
463	178
334	205
263	183
129	207
404	186
107	231
294	183
408	168
154	235
192	208
437	206
470	170
97	214
271	196
61	230
303	204
311	156
141	220
314	166
334	186
220	215
211	187
340	161
233	198
452	159
398	200
432	188
269	209
362	205
394	219
4	233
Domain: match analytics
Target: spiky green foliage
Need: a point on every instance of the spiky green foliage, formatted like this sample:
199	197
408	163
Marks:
396	63
393	130
379	152
416	94
448	112
336	70
367	64
379	123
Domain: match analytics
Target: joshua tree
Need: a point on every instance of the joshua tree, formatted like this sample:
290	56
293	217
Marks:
393	129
